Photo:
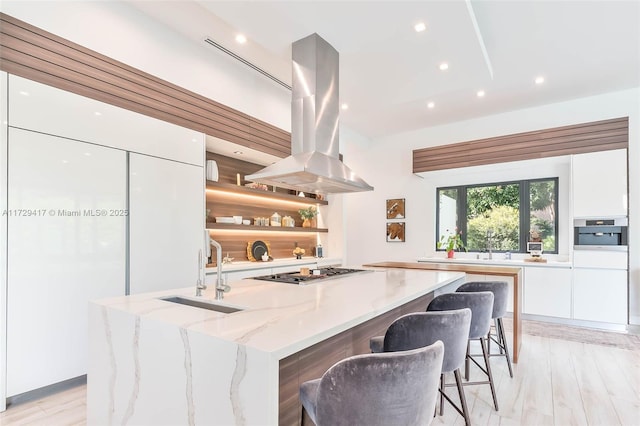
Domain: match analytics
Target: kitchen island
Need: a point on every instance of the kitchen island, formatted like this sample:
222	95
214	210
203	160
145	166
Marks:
157	362
500	271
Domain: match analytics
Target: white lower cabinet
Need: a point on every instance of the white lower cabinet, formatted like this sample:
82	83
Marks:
547	291
66	246
166	203
600	295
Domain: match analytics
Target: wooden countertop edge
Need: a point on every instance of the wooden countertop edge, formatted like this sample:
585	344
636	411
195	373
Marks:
493	270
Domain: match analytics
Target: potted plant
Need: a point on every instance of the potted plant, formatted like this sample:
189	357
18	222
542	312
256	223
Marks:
451	242
307	216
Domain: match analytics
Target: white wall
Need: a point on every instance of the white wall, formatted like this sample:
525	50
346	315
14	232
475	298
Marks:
389	163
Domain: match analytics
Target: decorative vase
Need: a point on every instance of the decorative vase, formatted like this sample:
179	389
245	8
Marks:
306	223
450	254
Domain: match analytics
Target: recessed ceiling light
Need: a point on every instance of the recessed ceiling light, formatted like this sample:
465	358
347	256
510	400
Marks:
480	93
238	152
444	66
240	38
431	105
97	113
88	154
24	93
539	80
420	27
345	106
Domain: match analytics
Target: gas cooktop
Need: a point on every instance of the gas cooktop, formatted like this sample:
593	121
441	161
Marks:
314	276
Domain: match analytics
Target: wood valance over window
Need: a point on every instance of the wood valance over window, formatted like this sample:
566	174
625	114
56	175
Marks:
575	139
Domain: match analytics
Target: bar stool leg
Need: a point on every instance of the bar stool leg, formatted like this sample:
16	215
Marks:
463	400
488	365
505	346
442	394
466	361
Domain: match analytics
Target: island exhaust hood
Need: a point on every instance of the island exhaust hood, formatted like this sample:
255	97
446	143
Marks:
314	165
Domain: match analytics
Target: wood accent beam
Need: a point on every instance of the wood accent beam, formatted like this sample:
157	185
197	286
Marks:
30	52
574	139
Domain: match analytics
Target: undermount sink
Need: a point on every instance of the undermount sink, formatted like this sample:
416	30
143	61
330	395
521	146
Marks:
202	304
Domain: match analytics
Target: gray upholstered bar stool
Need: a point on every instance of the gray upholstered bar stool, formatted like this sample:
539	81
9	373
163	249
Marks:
423	328
481	305
500	290
395	388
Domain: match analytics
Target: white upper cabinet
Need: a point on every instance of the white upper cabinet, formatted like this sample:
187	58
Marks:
600	184
38	107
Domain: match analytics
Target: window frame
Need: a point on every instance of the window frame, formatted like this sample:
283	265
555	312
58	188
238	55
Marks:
524	212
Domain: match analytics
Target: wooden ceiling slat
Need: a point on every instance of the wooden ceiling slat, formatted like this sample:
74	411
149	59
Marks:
30	52
575	139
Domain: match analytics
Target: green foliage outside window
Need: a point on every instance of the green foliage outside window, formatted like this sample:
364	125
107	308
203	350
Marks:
497	208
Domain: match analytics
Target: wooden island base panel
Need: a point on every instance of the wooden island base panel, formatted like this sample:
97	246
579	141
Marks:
504	271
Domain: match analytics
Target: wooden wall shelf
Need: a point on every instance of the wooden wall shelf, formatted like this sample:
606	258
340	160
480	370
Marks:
235	227
224	198
230	188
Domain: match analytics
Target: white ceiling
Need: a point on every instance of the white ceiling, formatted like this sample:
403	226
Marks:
389	72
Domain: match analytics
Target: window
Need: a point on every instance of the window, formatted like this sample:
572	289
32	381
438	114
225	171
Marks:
506	214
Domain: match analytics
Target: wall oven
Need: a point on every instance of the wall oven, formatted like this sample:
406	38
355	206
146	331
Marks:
601	234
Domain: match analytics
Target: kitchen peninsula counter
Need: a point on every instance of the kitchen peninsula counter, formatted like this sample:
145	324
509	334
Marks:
483	269
157	362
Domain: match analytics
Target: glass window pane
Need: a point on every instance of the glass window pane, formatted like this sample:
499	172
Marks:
493	217
542	200
447	211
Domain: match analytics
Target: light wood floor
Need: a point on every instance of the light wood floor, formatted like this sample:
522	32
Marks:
556	382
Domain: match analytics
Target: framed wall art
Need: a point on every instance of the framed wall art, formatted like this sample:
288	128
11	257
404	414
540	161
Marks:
395	232
395	208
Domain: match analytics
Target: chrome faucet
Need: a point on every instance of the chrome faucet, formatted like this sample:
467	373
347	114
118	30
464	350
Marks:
221	288
489	243
200	285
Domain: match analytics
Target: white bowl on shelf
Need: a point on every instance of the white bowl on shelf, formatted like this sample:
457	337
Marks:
224	220
237	220
246	222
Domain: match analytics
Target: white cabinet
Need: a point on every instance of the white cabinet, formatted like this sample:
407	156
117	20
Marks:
166	204
547	291
599	182
600	295
600	282
66	246
45	109
72	244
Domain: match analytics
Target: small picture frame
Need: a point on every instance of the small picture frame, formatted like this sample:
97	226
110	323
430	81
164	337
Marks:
395	208
395	232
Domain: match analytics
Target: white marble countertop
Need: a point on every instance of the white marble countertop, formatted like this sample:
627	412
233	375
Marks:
282	319
497	262
293	262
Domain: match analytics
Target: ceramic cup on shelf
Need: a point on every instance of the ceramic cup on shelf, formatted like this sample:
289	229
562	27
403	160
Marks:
246	222
237	220
212	170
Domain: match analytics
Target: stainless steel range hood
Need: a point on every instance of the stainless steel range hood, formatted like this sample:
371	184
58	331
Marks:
314	164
